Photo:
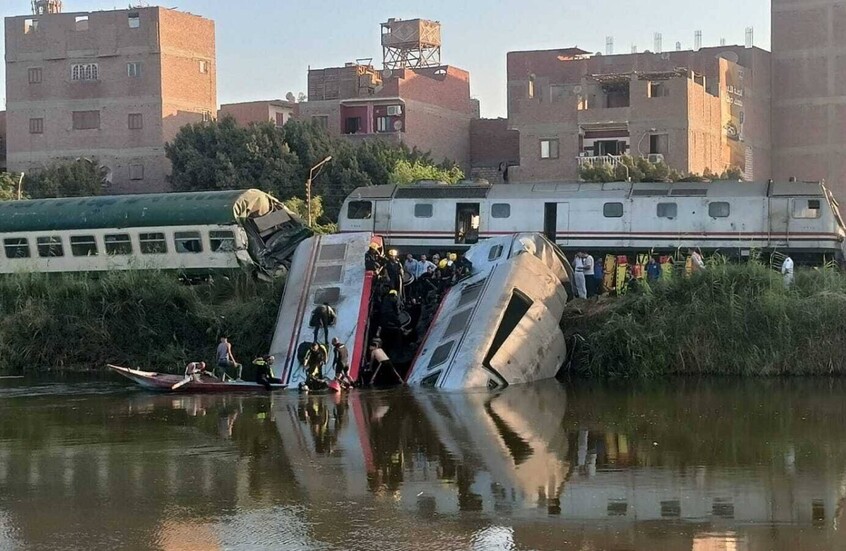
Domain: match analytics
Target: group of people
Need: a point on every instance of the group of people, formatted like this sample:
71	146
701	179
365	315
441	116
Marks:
228	369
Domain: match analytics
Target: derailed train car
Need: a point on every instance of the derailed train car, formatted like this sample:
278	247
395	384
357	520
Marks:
618	217
193	233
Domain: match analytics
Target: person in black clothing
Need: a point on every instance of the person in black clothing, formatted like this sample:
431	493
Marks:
341	362
264	373
373	258
463	268
394	271
322	317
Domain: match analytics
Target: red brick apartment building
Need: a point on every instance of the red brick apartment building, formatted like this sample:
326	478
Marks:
426	107
708	109
276	111
110	85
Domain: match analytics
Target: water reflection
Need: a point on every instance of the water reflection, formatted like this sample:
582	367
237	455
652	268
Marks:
694	466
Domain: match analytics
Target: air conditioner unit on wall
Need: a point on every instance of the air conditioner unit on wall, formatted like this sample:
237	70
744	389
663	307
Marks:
394	110
656	158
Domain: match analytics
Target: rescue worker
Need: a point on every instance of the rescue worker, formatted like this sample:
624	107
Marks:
787	272
579	279
315	359
341	363
373	258
321	318
264	372
463	268
225	360
394	271
389	320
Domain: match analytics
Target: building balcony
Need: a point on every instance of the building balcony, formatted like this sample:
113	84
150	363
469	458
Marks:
612	160
616	116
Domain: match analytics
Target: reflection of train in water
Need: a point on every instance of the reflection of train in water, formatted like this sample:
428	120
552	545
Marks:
191	232
732	217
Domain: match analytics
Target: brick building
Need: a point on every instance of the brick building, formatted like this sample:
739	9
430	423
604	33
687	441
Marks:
708	109
809	79
276	111
109	85
494	150
426	107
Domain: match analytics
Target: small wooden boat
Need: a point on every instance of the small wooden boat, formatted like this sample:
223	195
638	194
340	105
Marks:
164	382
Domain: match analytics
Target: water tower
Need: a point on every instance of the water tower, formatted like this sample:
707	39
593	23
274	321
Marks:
44	7
413	43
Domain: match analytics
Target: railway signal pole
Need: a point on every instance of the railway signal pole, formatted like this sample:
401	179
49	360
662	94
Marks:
311	177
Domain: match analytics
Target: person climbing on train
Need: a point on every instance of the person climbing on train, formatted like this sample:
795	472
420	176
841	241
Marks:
579	271
225	360
341	363
322	317
315	359
395	271
653	270
374	260
264	372
787	271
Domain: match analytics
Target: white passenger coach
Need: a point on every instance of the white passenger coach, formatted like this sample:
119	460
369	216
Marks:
619	217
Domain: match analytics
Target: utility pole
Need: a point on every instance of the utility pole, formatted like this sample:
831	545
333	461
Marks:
20	185
311	177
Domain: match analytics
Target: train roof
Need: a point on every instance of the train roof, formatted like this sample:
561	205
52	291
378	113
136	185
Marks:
726	188
125	211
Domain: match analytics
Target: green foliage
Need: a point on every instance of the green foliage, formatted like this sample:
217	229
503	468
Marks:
407	172
222	155
300	207
732	319
8	186
640	169
142	319
79	178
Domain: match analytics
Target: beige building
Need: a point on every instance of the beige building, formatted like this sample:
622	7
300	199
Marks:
114	86
697	111
276	111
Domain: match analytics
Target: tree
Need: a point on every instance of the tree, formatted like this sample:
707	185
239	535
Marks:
79	178
8	186
407	172
641	169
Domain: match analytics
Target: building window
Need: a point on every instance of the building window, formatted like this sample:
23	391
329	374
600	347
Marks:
383	124
612	210
50	247
806	208
658	89
321	120
135	121
16	247
280	120
134	20
719	209
82	22
359	210
667	210
501	210
85	71
207	116
36	126
423	210
531	87
136	171
549	149
659	144
119	244
152	243
35	75
352	125
188	242
222	241
30	26
86	120
204	66
133	69
83	245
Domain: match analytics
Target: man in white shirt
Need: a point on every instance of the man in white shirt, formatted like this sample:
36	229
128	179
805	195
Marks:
787	271
410	265
424	266
579	280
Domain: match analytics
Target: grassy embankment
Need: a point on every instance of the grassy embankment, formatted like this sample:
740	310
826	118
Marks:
731	320
140	319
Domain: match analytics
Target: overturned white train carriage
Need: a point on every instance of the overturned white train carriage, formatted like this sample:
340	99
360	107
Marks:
731	217
194	233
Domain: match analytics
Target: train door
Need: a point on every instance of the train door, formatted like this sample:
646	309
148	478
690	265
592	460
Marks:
556	221
779	222
467	223
382	218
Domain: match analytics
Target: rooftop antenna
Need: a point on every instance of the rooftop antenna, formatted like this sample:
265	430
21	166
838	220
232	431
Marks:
678	46
697	41
750	37
609	45
634	48
44	7
658	40
414	43
722	42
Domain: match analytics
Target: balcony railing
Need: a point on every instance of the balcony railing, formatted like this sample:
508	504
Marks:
612	160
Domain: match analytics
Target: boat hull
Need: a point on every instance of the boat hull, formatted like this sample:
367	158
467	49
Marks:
163	382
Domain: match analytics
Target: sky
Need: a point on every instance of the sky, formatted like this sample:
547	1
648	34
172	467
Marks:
265	47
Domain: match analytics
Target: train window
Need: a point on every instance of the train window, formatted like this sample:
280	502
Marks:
668	210
806	208
83	245
423	210
495	252
501	210
222	241
612	210
719	209
359	210
50	247
328	295
120	243
16	247
152	243
188	242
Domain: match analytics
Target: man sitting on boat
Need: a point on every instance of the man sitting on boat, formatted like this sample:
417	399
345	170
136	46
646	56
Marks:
264	372
195	370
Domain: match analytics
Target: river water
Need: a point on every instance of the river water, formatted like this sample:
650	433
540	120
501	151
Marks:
696	465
